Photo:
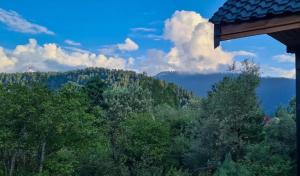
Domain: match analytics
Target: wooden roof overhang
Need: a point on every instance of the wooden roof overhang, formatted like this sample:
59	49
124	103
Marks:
284	28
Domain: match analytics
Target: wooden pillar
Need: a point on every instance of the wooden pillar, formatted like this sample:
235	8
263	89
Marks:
297	52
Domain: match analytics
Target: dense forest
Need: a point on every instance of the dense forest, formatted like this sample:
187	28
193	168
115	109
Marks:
98	122
161	91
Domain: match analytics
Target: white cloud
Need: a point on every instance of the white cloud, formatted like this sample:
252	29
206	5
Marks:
153	62
108	50
17	23
143	29
278	72
129	45
192	51
4	60
75	49
182	25
72	43
243	53
150	36
50	57
285	58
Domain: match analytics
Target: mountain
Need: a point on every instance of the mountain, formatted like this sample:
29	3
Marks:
162	92
272	92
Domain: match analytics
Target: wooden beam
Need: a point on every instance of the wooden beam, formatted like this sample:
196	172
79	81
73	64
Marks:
298	108
265	26
294	49
290	38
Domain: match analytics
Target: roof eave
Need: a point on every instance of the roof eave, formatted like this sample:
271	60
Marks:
228	31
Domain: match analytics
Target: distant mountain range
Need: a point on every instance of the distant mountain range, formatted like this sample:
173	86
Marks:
272	92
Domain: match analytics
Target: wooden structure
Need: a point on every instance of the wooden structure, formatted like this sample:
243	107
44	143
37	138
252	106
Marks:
279	19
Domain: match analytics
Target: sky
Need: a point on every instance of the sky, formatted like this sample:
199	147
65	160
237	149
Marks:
149	36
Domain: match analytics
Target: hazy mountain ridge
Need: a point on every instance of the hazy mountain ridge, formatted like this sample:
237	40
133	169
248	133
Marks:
272	92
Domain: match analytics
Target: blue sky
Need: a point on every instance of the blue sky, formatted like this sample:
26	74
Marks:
128	34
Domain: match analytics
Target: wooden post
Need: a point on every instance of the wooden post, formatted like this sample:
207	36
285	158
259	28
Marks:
298	108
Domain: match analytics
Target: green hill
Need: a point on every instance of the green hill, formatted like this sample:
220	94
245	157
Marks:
161	91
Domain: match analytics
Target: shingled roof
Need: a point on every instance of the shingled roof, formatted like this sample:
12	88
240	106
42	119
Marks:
234	11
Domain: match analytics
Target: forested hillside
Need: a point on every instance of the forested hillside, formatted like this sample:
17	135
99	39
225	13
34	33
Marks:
97	122
161	91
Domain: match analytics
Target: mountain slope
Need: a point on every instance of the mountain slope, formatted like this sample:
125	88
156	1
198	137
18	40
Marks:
161	91
272	92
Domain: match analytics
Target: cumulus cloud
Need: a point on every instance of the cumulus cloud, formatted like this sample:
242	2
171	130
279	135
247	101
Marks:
128	45
290	58
153	62
5	60
17	23
192	51
51	57
72	43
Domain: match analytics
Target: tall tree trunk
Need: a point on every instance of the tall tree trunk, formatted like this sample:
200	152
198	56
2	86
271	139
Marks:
12	164
42	158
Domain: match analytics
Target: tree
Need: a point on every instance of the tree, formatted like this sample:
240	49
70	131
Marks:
68	127
95	88
275	155
231	118
230	168
122	103
20	107
145	144
37	125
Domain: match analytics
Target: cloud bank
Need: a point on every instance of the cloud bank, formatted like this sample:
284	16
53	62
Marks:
278	72
283	58
16	22
191	51
50	57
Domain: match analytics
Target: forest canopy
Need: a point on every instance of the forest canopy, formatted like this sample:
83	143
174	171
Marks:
98	122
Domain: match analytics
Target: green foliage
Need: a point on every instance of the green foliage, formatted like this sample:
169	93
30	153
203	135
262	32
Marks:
37	123
177	172
95	89
97	122
279	145
272	165
145	140
230	119
61	163
123	102
230	168
99	78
